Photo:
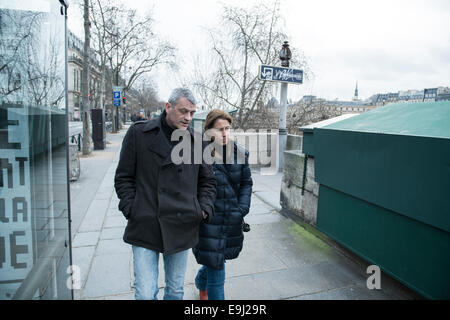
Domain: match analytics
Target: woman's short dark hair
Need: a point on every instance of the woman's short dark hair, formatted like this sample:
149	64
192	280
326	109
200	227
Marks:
215	115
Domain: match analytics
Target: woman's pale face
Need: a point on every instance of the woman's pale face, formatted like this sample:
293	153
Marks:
222	131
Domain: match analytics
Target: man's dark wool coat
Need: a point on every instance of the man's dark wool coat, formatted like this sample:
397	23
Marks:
162	201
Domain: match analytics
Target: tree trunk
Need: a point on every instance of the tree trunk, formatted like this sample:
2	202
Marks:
103	86
86	148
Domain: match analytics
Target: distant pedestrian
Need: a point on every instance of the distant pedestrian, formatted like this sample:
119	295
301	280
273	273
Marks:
222	238
142	117
163	202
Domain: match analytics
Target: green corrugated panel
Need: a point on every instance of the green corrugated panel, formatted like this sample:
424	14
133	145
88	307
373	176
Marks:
427	119
308	143
412	252
406	174
308	132
384	183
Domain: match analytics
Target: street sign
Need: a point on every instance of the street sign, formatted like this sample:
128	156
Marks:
280	74
116	98
116	95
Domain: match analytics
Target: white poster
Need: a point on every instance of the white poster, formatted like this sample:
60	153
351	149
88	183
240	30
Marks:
16	251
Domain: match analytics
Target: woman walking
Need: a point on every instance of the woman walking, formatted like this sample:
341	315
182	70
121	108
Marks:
222	238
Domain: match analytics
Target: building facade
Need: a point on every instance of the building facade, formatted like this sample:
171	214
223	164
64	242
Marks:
98	97
75	72
337	106
443	94
382	99
413	96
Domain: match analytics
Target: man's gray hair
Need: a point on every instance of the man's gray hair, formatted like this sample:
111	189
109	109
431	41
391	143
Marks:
181	92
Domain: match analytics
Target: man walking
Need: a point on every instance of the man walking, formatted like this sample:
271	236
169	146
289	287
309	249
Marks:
164	203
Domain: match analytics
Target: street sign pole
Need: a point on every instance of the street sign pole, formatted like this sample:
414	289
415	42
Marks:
117	119
117	98
282	132
285	56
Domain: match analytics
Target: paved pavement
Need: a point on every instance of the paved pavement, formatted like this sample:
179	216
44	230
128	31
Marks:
280	259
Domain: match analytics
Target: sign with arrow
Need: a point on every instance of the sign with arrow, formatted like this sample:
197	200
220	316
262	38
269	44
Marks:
280	74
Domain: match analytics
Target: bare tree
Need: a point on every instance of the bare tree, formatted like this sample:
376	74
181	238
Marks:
11	50
126	43
85	78
29	74
246	39
304	113
45	85
101	45
147	97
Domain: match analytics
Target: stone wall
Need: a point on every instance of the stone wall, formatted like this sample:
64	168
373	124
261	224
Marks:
299	190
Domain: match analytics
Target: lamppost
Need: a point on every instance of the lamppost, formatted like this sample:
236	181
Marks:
285	56
115	107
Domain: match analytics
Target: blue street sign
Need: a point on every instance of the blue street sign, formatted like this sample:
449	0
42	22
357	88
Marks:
117	99
280	74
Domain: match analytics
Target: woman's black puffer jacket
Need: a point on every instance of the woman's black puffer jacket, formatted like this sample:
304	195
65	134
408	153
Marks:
222	238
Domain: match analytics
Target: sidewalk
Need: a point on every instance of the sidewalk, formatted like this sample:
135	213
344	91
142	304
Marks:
280	259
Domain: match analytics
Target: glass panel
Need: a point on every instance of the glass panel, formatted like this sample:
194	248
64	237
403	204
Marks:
34	216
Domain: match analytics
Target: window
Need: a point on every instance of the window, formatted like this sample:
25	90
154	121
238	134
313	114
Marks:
34	222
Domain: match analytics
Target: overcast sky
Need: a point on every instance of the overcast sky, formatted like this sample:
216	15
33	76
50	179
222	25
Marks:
386	46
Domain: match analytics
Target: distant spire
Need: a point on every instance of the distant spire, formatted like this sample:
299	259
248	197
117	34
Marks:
356	92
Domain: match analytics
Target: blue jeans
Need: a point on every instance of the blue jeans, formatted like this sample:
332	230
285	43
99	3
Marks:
213	281
146	274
